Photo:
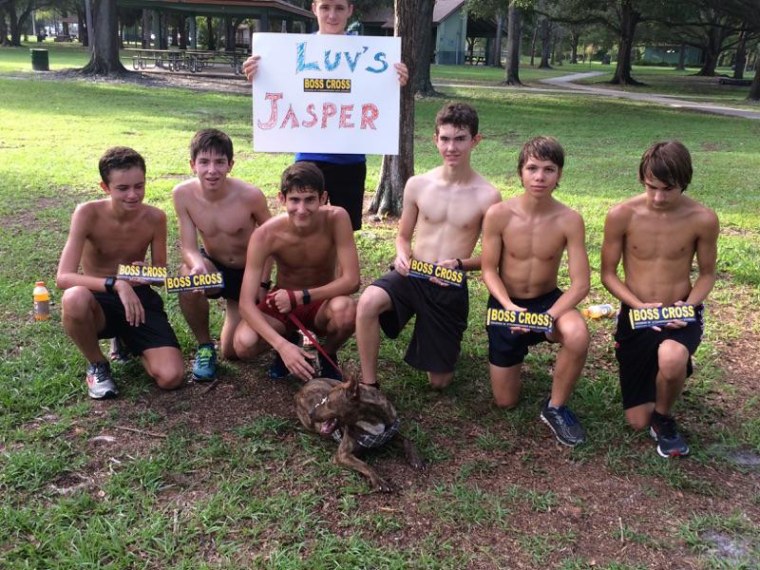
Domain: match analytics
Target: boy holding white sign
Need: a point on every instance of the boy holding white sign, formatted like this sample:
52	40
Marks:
223	211
345	174
104	234
657	234
524	239
443	211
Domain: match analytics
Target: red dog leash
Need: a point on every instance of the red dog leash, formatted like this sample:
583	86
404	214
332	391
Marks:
300	326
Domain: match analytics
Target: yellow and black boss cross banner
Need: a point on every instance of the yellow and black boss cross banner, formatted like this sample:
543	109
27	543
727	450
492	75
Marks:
656	316
425	270
326	85
150	273
537	322
182	283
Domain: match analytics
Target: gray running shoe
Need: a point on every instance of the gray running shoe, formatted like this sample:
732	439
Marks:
562	421
100	384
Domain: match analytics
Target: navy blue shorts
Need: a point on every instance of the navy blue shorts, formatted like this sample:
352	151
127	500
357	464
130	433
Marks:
440	324
636	353
507	348
233	279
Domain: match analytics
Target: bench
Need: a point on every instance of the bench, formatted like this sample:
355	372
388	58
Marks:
735	82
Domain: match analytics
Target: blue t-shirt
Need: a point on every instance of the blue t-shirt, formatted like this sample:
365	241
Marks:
331	158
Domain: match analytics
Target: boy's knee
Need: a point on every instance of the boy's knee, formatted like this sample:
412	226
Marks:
370	303
169	381
439	381
576	338
672	359
75	301
244	345
343	313
506	401
169	377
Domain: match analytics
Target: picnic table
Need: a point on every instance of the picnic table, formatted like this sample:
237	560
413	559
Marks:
194	61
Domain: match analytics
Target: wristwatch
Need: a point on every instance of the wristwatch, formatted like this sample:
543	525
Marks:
110	282
306	297
266	285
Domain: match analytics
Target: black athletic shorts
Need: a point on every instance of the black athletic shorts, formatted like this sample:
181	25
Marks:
156	332
345	187
233	279
441	319
507	348
636	352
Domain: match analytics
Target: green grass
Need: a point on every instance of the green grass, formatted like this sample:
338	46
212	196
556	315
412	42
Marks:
193	490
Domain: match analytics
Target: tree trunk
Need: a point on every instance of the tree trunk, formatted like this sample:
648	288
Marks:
210	38
533	46
499	38
629	19
82	27
182	27
514	29
105	41
4	41
545	33
145	40
754	90
681	65
575	40
712	51
396	170
13	26
741	56
422	84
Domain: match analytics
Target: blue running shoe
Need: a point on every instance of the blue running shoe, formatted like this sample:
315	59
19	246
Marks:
204	366
562	421
664	431
277	370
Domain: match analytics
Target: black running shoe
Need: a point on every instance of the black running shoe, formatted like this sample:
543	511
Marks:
562	421
327	370
664	431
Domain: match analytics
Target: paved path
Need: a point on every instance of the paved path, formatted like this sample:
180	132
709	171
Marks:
567	83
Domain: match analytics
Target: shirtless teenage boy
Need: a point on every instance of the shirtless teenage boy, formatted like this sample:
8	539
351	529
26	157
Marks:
309	244
103	234
345	174
223	211
524	239
443	210
658	234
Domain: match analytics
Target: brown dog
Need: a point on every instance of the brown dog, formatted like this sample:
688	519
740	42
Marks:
357	415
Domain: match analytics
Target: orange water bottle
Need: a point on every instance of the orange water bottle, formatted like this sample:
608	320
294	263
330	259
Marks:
41	302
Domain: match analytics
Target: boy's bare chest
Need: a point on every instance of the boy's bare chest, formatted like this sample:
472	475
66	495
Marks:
654	238
121	242
533	238
316	251
216	220
458	210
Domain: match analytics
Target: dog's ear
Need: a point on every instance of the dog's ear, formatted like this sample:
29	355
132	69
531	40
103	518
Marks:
351	382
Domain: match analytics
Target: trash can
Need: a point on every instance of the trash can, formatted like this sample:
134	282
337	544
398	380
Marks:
40	60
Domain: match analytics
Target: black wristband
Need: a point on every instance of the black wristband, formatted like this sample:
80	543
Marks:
266	285
460	265
306	297
110	282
